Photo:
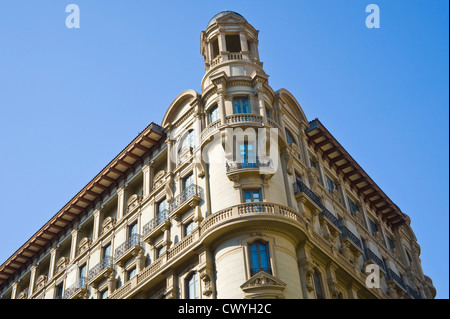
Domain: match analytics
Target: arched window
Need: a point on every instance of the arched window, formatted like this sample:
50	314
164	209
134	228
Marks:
259	258
318	285
192	286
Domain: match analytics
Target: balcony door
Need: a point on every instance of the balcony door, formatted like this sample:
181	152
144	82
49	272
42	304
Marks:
247	155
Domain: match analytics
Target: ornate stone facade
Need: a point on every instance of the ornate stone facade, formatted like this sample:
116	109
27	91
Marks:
235	195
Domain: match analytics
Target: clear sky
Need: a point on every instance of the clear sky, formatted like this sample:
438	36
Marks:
72	99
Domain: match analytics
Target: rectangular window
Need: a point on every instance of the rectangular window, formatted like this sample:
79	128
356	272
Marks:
213	114
247	152
330	184
240	105
188	228
192	291
188	181
259	258
252	195
131	273
352	206
233	42
390	243
215	47
161	211
373	226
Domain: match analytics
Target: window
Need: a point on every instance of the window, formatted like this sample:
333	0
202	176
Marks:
318	285
161	211
104	294
252	195
268	113
391	244
131	273
106	255
59	291
240	105
233	42
289	138
82	274
192	287
259	258
188	228
213	114
133	232
187	184
373	226
352	206
330	184
247	156
159	251
215	47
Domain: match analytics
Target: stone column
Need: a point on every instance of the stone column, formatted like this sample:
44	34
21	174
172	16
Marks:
96	233
146	179
222	45
32	280
244	45
51	271
121	201
73	246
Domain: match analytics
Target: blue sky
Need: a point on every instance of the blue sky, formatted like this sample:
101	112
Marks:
72	99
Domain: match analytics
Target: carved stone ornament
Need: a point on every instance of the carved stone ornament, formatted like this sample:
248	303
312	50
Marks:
84	245
263	285
40	282
158	179
133	202
108	224
61	264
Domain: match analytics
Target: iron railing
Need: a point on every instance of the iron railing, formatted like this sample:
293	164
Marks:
133	240
81	283
249	162
398	279
370	255
188	192
106	262
347	233
155	222
412	292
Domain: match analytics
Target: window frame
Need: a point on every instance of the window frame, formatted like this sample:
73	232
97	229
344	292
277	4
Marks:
254	270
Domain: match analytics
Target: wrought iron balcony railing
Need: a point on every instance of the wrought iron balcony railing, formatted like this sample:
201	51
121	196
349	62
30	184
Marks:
106	262
250	162
347	233
81	283
188	192
398	279
370	255
155	222
411	292
133	240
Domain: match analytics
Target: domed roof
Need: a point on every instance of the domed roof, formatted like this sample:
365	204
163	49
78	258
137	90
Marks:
221	14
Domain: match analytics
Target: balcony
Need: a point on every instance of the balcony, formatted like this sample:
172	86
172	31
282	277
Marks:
128	249
411	293
189	198
156	226
77	291
100	271
391	275
354	242
244	119
249	166
306	196
371	257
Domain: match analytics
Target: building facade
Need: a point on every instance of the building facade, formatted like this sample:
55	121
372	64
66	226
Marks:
235	195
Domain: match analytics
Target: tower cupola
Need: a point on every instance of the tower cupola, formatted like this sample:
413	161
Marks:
230	44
